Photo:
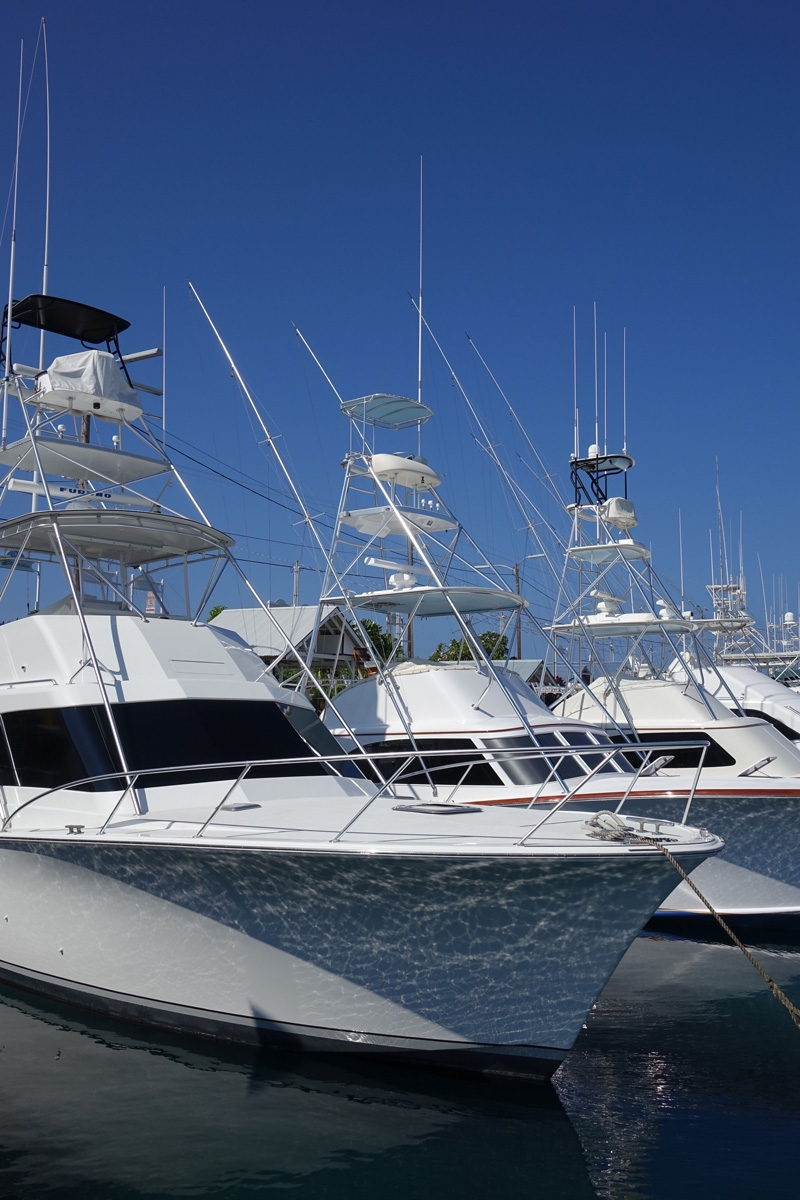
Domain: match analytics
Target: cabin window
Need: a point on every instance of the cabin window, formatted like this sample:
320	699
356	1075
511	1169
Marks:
445	769
682	759
319	737
564	766
521	771
792	734
177	733
590	761
55	746
7	773
52	747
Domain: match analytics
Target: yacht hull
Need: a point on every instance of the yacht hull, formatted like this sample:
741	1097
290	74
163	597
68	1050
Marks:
755	881
486	963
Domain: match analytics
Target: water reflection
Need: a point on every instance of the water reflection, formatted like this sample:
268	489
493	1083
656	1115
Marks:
96	1109
687	1079
686	1082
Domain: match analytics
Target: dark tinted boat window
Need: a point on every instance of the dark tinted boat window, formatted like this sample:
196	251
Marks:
576	738
54	746
444	769
7	775
520	770
716	756
792	734
566	766
537	770
176	733
318	736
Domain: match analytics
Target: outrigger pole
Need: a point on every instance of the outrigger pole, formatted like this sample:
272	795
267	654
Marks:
12	260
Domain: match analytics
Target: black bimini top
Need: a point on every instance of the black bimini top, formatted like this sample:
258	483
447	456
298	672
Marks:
69	318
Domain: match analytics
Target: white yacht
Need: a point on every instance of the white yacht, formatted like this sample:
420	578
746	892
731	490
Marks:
674	707
640	667
183	842
744	689
455	733
394	523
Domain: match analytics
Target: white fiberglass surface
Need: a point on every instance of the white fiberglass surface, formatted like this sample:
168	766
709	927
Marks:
313	811
438	698
342	942
81	460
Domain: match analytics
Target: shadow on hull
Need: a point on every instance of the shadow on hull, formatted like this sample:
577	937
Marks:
773	930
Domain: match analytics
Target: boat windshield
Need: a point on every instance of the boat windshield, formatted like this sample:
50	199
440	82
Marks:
452	768
525	770
52	747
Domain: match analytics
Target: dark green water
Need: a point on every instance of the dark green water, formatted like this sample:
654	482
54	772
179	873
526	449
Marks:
685	1083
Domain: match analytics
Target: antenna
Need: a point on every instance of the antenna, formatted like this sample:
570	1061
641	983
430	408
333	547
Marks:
575	376
164	367
419	322
764	595
624	390
723	546
596	410
605	395
6	378
680	551
46	264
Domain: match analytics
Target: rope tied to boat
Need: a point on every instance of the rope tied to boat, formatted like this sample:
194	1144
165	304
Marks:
613	829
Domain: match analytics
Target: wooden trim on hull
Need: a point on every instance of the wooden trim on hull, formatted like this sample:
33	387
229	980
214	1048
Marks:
604	797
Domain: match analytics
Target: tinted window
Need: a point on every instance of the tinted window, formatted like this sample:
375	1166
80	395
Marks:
577	738
54	746
444	768
520	770
7	775
792	734
176	733
564	764
318	736
690	757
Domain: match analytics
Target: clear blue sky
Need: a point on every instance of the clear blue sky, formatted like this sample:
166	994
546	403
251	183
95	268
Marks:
643	155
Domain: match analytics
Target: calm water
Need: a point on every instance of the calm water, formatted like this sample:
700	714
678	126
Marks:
685	1083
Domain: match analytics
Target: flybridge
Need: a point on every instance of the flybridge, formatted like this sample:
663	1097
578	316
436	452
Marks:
88	507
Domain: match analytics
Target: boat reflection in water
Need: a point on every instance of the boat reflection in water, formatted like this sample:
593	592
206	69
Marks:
687	1078
688	1070
97	1108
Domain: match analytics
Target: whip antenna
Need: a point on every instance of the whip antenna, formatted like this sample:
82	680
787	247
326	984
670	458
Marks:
6	378
46	264
419	310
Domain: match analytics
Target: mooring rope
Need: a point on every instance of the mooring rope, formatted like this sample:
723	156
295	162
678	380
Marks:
607	832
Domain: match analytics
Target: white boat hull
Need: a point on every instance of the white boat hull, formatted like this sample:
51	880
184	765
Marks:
470	962
758	873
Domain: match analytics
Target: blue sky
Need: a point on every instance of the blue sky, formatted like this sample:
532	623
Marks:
640	155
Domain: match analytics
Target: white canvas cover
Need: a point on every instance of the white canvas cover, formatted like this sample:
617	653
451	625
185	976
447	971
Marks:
619	512
95	372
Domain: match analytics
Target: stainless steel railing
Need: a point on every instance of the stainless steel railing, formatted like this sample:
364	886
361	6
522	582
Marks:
466	759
